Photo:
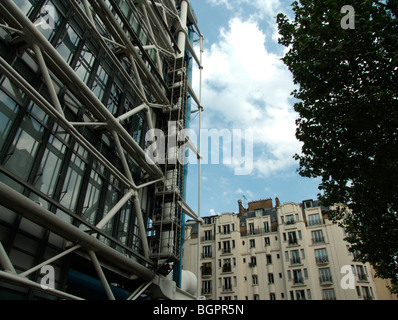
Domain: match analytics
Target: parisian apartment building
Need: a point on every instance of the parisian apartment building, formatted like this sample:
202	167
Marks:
289	251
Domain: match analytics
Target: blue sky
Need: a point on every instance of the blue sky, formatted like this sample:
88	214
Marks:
246	86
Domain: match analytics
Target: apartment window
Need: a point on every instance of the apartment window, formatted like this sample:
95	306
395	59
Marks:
292	238
253	261
307	204
314	219
256	297
269	259
252	243
251	228
325	276
286	256
309	296
367	295
206	287
328	294
266	227
300	294
207	251
208	235
298	277
227	284
226	247
317	236
206	269
361	273
272	296
267	241
227	265
255	280
289	275
295	257
302	253
321	256
270	278
227	229
289	219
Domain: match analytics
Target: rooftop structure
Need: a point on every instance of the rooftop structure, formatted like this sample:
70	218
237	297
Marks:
289	251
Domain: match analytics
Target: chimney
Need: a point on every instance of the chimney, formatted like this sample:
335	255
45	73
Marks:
242	210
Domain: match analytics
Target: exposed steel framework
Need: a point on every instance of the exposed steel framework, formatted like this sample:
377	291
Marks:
146	48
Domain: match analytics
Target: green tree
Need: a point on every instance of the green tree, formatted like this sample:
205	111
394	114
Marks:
348	117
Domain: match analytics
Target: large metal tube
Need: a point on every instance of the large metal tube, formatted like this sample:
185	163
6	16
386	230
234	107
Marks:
15	201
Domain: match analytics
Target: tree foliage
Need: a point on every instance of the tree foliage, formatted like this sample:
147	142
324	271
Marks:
348	117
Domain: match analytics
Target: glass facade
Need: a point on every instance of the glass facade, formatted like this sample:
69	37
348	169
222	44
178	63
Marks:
47	163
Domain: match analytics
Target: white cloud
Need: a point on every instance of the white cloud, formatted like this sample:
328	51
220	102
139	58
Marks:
247	86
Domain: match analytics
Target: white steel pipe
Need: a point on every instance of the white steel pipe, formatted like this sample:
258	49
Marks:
115	209
20	204
49	261
5	261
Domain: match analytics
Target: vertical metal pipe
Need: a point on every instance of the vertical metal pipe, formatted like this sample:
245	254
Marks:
141	225
199	163
182	34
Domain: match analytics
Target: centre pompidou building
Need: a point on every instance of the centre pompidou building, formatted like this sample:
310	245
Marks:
85	210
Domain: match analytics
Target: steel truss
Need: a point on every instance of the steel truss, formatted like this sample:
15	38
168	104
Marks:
158	98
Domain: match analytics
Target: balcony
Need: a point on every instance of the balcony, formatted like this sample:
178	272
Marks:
292	242
227	288
322	260
206	292
227	267
295	261
318	240
290	222
207	255
226	250
206	271
298	281
325	280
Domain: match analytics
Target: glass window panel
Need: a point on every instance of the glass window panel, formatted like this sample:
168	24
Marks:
100	82
8	112
92	197
25	6
67	44
85	64
50	166
114	99
23	151
73	179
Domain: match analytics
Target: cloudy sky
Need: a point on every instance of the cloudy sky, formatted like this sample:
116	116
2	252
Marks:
246	88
